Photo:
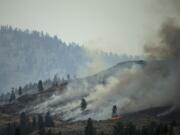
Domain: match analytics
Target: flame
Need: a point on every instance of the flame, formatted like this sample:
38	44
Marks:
118	117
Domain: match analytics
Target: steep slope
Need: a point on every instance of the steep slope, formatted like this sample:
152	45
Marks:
64	100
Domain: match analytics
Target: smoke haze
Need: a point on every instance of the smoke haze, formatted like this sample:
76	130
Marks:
156	83
139	87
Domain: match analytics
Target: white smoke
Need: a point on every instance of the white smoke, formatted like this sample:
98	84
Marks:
100	98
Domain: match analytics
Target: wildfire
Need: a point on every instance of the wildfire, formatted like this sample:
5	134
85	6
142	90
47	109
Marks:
117	117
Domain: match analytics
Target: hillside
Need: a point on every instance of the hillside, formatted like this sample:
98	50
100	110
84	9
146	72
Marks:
32	55
69	120
57	97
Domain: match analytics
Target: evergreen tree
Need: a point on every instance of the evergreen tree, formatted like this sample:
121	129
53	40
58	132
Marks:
114	111
55	80
40	85
42	131
131	129
89	129
23	118
152	128
101	133
118	129
49	132
20	91
59	133
171	127
24	123
83	104
173	123
9	128
165	130
49	120
17	131
145	131
34	122
2	97
12	96
40	121
68	77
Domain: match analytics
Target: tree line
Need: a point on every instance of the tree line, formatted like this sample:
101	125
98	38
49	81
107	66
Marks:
43	126
27	125
120	128
9	97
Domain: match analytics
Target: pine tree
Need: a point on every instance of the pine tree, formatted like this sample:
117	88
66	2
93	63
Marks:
2	97
83	104
59	133
17	131
118	128
24	123
20	91
171	127
145	131
49	120
173	123
12	96
40	85
114	111
89	129
34	122
131	129
49	132
55	80
68	77
102	133
23	118
42	131
40	121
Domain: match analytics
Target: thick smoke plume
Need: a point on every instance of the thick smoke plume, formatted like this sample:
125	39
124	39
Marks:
154	85
167	51
157	84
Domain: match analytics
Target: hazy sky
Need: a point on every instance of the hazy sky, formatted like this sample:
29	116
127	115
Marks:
111	25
